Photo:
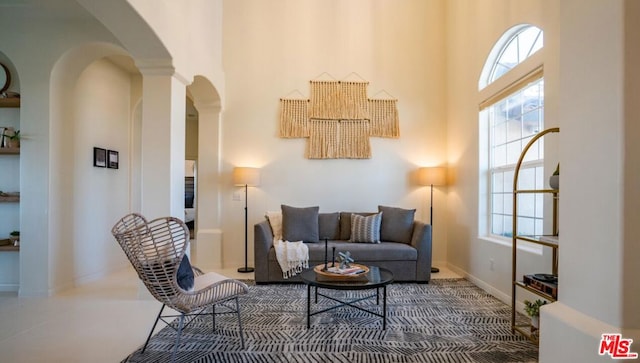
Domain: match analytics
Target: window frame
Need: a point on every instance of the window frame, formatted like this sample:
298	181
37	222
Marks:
519	77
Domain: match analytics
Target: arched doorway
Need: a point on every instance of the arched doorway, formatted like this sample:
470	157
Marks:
206	101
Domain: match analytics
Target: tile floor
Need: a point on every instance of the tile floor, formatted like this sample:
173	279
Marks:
102	321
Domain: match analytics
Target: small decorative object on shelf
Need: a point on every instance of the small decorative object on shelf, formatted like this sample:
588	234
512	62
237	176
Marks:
5	79
554	180
533	310
10	137
345	259
15	237
545	283
14	140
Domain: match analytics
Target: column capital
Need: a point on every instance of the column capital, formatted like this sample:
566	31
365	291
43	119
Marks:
159	67
155	67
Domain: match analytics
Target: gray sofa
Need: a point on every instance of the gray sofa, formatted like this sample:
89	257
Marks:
409	258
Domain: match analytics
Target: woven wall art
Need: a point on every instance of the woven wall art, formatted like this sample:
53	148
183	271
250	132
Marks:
294	118
338	119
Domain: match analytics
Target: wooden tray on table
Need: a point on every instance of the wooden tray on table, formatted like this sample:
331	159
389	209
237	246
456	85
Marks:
332	276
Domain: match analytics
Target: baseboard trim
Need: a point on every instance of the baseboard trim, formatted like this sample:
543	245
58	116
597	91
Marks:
505	298
9	287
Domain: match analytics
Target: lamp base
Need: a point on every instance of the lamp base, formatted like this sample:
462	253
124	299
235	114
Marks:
435	270
245	269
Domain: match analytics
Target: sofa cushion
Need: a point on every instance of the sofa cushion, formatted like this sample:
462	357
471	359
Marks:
397	224
368	254
329	225
300	224
345	223
366	229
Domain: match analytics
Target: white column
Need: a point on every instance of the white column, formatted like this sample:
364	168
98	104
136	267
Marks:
163	141
162	144
209	233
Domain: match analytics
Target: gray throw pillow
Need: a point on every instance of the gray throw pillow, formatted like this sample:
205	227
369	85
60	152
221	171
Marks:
397	224
366	229
329	226
300	224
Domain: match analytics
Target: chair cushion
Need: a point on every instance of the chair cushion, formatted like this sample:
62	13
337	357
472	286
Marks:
300	224
185	274
366	229
208	279
397	224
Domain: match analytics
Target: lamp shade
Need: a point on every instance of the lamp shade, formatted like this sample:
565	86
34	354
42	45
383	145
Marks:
246	176
432	176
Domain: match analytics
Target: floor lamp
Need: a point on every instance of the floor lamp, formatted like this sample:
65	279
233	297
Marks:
429	177
247	177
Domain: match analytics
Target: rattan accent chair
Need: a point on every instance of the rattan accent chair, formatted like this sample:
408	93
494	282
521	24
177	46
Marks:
156	249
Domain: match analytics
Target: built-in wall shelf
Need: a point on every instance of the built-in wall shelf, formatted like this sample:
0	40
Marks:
10	198
9	151
9	248
9	102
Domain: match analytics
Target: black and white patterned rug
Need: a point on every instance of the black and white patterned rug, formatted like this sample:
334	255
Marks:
447	320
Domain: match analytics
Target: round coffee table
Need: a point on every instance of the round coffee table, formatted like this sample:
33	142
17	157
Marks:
376	278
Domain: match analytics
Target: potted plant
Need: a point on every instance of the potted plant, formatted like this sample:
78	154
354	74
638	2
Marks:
554	180
14	140
532	309
15	237
10	138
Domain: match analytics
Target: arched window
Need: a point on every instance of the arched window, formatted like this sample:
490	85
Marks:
515	45
509	116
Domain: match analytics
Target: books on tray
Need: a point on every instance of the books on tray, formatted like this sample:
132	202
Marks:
346	271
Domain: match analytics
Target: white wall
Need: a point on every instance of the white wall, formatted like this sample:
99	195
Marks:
272	49
56	28
472	31
100	195
192	32
599	253
582	38
60	28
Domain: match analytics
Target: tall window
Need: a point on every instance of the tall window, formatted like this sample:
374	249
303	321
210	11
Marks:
511	116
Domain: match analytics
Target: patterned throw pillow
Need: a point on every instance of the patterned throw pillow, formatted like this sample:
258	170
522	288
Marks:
366	229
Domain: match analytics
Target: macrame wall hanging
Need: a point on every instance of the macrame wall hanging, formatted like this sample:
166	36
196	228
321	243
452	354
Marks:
338	119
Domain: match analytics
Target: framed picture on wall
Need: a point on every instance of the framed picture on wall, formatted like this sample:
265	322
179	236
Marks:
112	159
99	157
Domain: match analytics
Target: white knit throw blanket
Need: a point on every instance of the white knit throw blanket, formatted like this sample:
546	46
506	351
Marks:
293	257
